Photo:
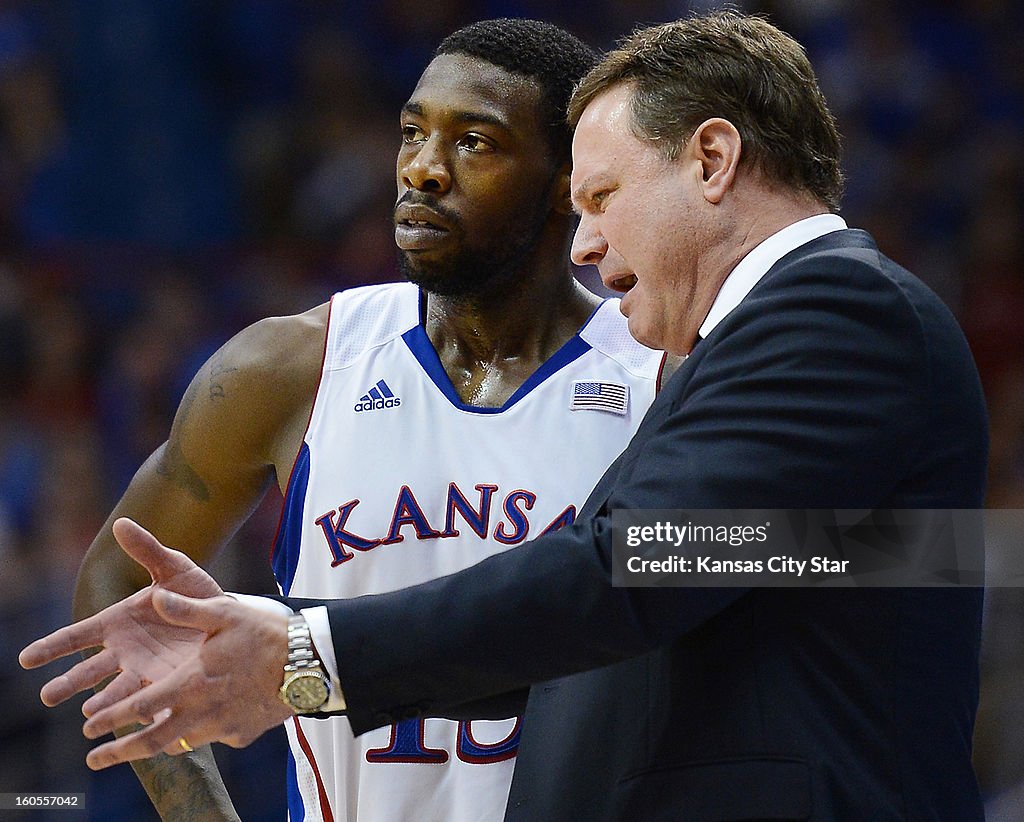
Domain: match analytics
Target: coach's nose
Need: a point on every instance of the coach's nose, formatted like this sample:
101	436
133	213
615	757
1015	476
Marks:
588	244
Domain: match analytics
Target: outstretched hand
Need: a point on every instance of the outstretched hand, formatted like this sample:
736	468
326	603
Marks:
227	691
137	643
189	661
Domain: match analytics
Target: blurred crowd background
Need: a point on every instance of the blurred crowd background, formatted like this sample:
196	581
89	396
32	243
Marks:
172	170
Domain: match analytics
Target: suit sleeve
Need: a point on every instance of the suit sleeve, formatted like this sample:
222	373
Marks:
809	396
500	706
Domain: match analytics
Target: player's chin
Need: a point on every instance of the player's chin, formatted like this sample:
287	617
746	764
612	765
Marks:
440	283
430	272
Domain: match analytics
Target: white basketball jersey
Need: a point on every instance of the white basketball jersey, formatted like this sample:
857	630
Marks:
398	482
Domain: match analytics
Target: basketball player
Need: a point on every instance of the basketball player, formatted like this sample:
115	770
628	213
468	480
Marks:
414	428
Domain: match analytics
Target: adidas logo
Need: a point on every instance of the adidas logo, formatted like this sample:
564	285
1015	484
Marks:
380	396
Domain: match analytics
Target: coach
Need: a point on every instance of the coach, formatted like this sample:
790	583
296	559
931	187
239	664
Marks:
822	375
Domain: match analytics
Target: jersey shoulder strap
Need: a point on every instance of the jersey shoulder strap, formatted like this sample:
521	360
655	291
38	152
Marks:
607	332
366	317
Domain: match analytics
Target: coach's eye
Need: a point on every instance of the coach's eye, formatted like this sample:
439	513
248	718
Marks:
599	199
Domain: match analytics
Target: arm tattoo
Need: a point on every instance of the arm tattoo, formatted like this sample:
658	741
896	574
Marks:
217	370
173	465
174	468
183	788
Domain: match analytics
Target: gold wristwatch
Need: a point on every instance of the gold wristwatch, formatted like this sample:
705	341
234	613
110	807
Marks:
306	687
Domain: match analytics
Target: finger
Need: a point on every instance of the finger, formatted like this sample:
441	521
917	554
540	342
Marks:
207	615
85	634
138	543
159	737
141	706
84	675
174	747
126	684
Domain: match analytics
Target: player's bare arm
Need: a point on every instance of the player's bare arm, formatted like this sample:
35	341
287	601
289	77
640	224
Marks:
237	429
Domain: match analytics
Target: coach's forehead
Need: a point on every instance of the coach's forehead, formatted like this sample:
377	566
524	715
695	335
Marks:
465	84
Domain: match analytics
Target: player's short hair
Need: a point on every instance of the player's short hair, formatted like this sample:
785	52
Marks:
737	67
550	55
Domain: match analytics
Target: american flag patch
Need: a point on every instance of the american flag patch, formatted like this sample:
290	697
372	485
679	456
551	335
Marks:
599	396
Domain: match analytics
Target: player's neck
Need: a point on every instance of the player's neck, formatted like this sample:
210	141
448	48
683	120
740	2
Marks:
527	320
489	345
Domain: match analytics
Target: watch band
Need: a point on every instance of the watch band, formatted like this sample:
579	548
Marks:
306	686
300	646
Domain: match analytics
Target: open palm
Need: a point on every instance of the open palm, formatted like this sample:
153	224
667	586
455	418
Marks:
137	646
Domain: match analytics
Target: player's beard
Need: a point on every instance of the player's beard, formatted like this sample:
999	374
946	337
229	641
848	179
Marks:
478	269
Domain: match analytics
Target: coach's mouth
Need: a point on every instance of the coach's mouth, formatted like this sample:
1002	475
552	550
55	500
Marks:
621	283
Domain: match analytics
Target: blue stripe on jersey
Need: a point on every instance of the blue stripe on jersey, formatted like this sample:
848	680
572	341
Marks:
419	343
296	810
285	556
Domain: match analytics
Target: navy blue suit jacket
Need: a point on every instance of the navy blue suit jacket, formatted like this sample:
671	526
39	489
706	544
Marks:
839	382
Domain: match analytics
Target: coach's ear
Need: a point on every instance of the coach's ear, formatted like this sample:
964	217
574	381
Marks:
561	201
715	147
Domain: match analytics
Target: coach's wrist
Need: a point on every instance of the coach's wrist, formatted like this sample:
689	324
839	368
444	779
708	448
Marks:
320	633
305	686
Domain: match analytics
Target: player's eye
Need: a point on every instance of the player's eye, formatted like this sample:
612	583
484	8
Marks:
475	142
412	134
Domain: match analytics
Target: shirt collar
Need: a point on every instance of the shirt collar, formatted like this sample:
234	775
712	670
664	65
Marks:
749	271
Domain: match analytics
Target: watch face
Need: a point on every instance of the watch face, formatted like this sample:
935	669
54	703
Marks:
307	693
